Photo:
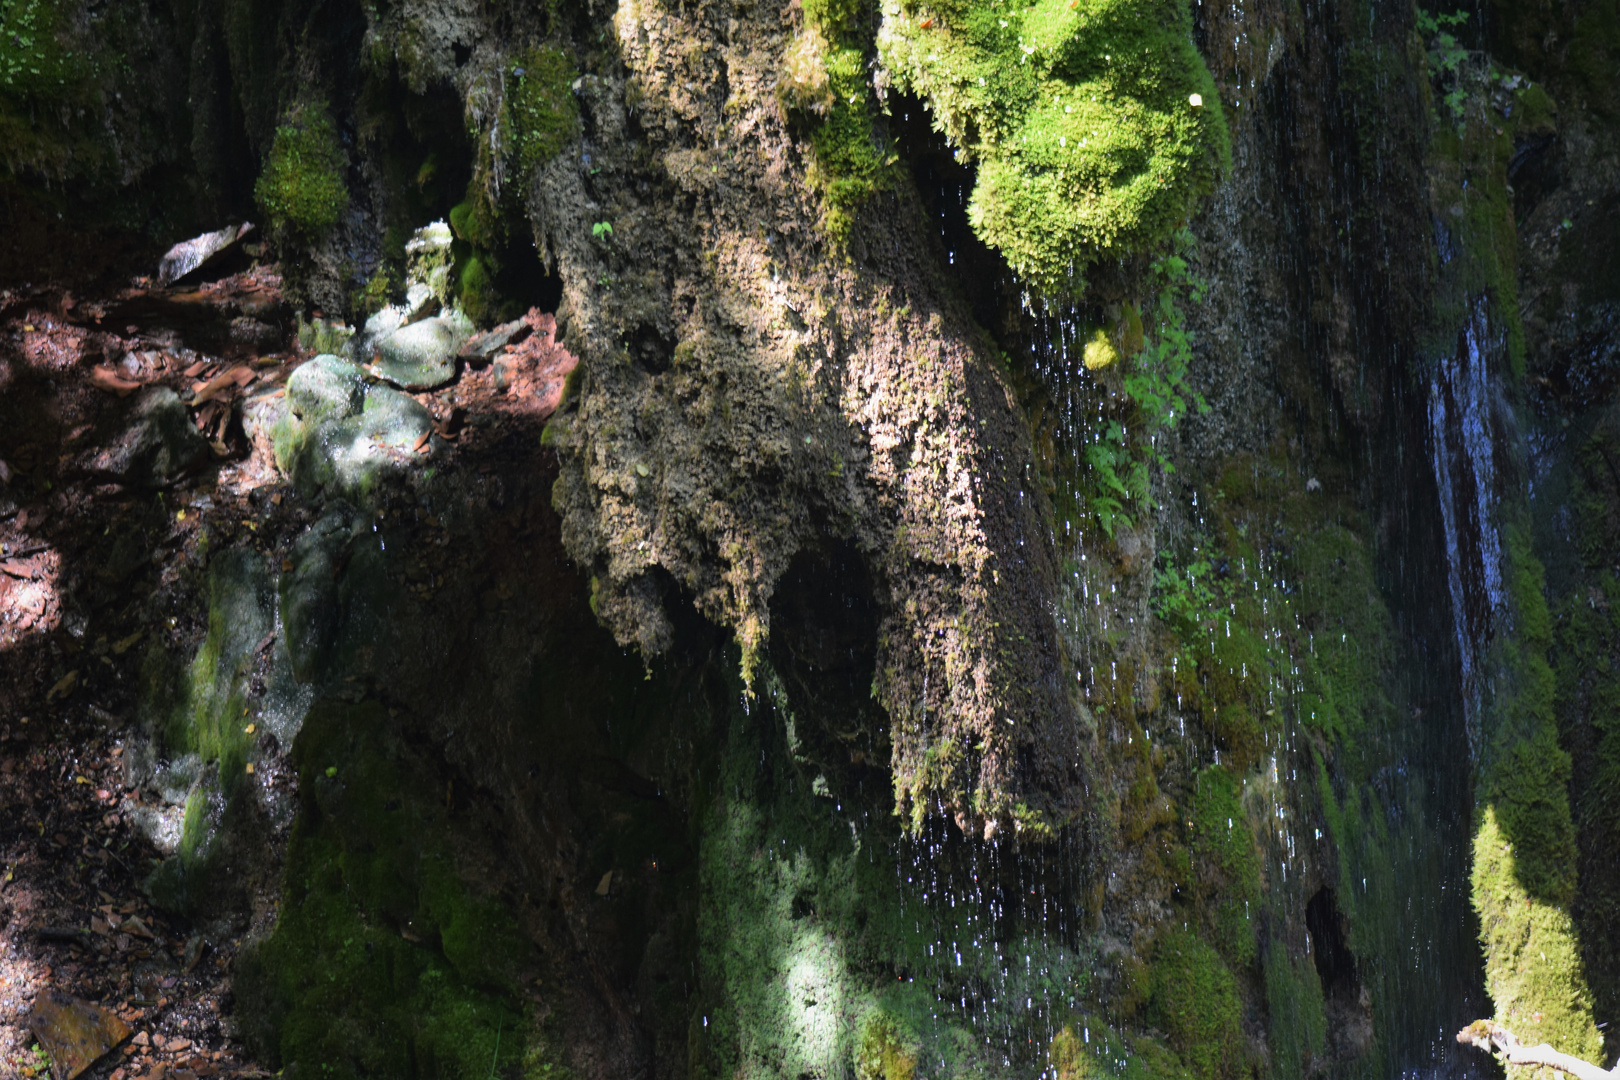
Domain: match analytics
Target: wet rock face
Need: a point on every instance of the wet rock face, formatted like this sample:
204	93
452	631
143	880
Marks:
748	396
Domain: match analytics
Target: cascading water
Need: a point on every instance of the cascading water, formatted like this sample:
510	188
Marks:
1461	408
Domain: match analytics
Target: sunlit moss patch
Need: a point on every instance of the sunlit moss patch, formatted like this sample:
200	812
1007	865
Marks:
1095	125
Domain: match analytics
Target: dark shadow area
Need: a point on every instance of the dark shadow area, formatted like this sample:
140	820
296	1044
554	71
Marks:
1330	947
945	186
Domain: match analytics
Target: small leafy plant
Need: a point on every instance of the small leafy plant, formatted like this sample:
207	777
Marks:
602	230
1120	455
1446	56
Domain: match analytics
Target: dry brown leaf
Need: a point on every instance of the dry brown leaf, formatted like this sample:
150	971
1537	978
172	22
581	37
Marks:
108	379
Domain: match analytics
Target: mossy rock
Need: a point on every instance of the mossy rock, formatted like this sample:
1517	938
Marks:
422	355
302	191
387	960
326	441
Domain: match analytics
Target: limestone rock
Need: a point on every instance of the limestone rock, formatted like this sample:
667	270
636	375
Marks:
191	254
422	355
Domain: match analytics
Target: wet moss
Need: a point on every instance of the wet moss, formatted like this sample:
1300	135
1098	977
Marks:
1296	1020
1223	845
37	73
1195	1003
301	190
541	114
1095	125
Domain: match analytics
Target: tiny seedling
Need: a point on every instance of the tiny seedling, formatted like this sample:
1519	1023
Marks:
602	230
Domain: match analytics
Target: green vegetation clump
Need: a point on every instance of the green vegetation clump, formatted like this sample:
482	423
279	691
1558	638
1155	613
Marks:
1095	123
828	90
1153	393
1195	1002
301	190
541	115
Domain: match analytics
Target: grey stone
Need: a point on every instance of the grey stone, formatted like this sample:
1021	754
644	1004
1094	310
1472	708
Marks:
422	356
481	347
191	254
157	447
326	388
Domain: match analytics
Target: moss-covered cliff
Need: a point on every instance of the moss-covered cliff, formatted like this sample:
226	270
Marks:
1063	540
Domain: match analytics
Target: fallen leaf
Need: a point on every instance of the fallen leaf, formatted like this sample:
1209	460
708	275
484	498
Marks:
134	925
74	1033
64	686
108	379
240	375
124	645
196	369
605	884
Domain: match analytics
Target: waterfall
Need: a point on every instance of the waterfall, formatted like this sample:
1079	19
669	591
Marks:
1465	473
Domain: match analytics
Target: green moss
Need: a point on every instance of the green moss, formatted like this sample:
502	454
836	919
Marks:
379	292
475	288
541	115
1532	959
827	90
887	1050
33	62
1296	1025
302	191
1223	845
1079	114
385	961
1524	875
1195	1003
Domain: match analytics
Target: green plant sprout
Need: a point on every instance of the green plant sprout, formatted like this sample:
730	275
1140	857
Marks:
1120	455
602	230
1446	56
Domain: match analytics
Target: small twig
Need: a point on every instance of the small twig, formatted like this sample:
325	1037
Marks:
1492	1037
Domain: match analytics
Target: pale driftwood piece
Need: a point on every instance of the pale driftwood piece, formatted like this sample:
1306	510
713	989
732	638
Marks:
1493	1037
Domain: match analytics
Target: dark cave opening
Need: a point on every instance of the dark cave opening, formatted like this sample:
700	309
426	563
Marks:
1330	947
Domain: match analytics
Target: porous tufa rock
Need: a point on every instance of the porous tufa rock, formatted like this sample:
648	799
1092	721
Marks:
422	355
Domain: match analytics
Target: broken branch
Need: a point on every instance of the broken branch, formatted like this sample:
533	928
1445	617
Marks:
1492	1037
